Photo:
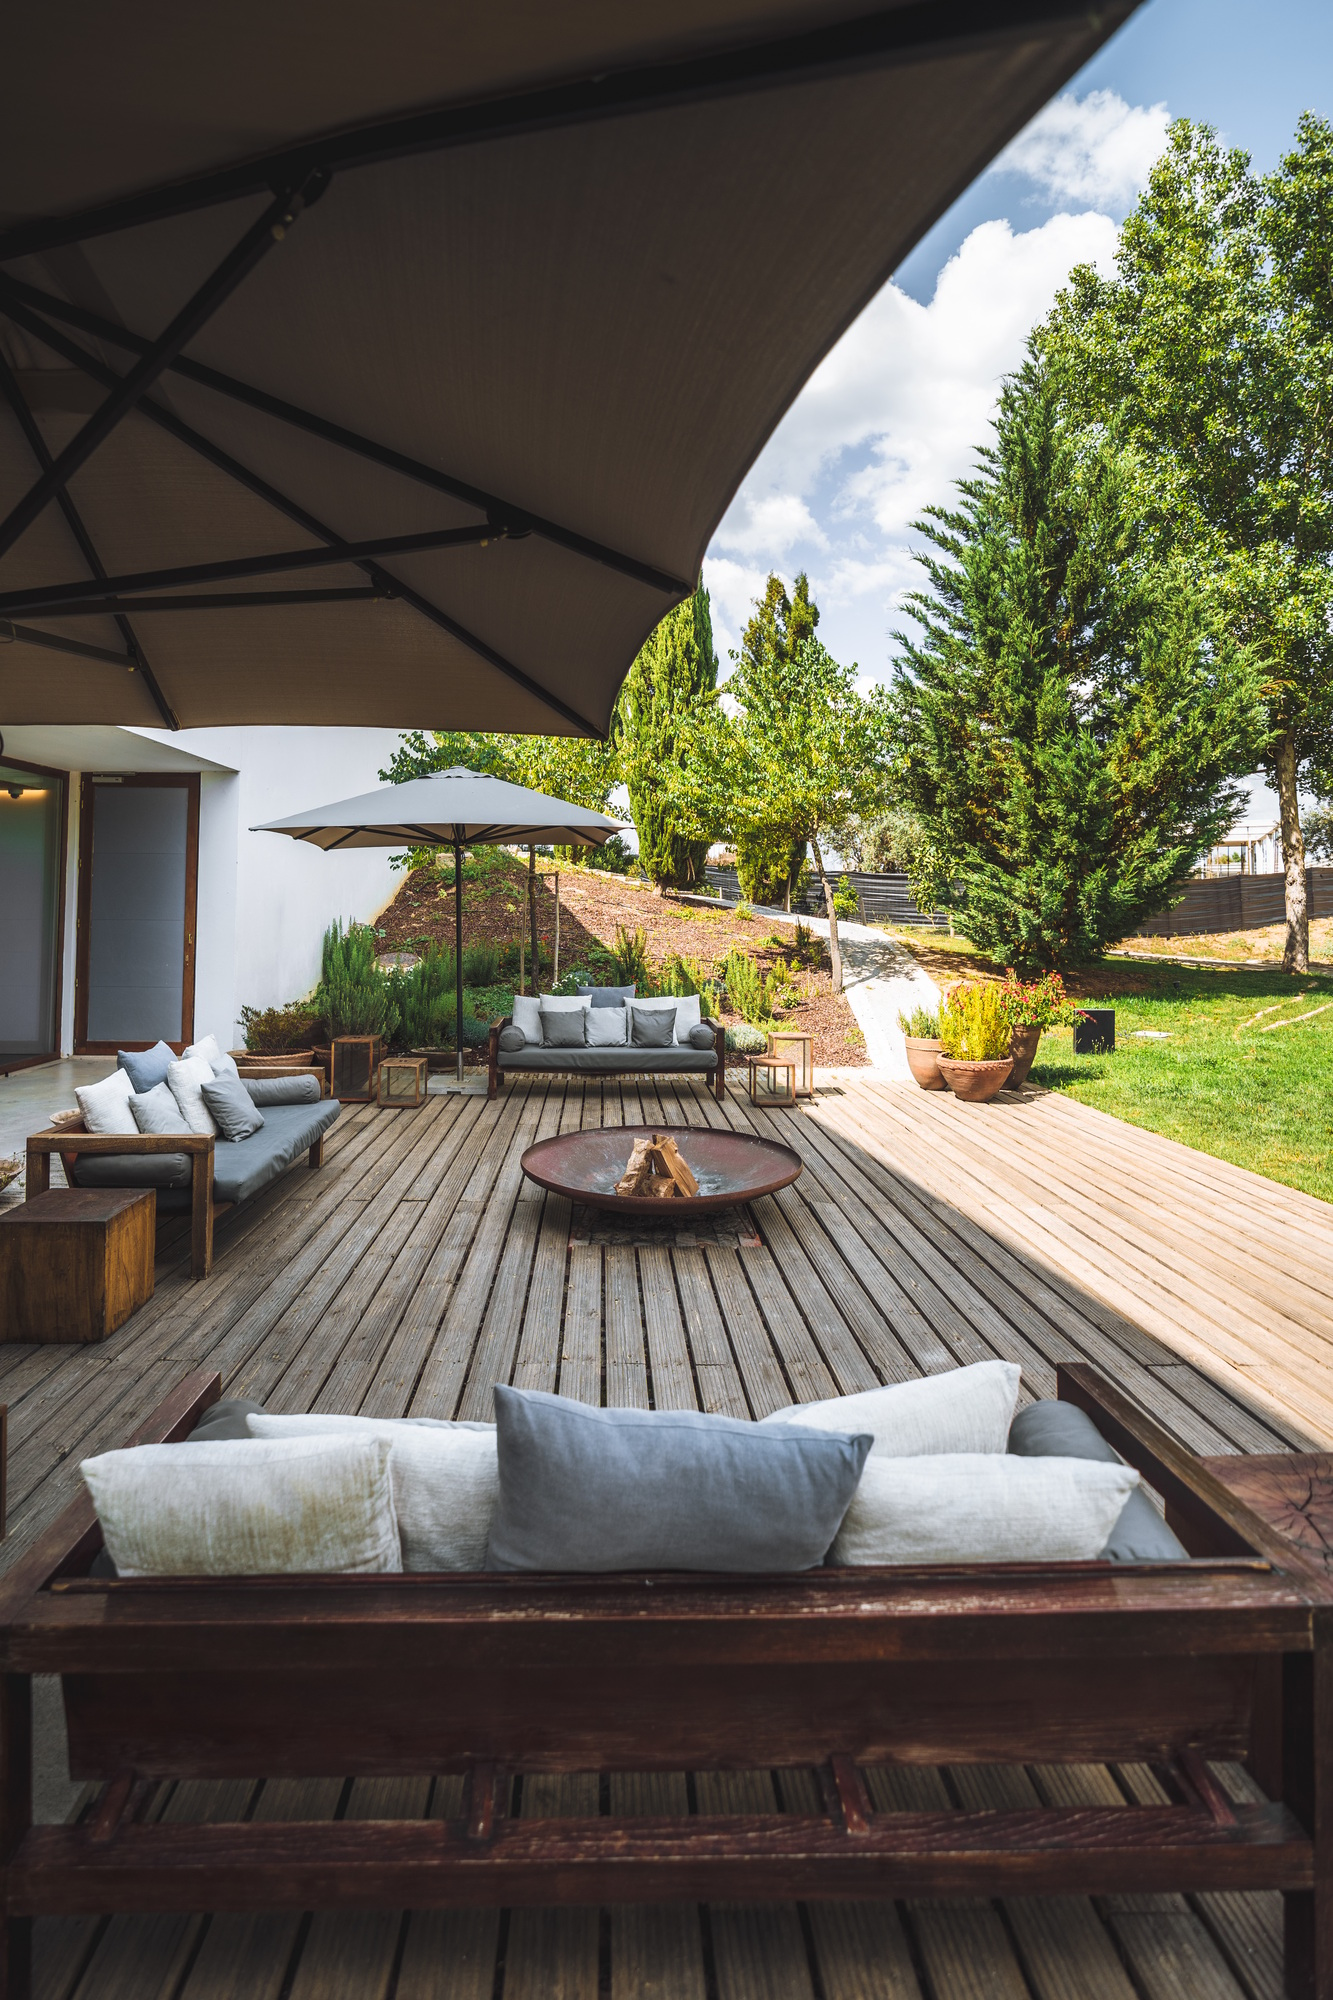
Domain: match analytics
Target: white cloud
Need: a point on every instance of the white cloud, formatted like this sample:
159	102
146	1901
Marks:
885	427
1095	150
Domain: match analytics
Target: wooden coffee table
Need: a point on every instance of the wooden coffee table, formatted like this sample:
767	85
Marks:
75	1262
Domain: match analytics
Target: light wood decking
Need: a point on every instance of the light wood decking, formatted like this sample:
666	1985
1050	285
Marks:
419	1267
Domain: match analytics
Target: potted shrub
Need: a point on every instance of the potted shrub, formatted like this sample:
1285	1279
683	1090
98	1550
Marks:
280	1035
921	1033
975	1032
1032	1004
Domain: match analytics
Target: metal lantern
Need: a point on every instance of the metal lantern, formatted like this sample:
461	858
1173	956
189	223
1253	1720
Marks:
794	1045
403	1082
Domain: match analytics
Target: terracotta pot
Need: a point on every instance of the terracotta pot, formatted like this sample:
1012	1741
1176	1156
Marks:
299	1058
976	1082
1023	1049
923	1061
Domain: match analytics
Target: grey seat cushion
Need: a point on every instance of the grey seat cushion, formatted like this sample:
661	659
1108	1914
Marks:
677	1059
1061	1430
587	1489
288	1130
239	1170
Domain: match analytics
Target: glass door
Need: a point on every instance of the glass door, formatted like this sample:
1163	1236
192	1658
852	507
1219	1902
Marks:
32	868
138	863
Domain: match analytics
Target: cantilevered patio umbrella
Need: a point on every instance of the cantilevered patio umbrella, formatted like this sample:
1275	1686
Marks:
456	808
396	366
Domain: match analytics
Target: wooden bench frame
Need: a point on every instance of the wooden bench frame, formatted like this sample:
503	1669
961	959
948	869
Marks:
71	1142
211	1678
717	1081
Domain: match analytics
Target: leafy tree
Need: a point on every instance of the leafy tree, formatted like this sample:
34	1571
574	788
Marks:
771	866
673	671
1210	355
1067	725
800	754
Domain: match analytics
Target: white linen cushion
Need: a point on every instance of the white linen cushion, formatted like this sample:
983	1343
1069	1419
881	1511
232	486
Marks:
563	1003
239	1507
445	1480
965	1409
186	1080
687	1015
606	1028
156	1110
106	1105
527	1015
977	1507
216	1057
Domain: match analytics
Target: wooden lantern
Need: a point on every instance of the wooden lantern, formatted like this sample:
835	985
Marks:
403	1082
795	1045
353	1064
772	1079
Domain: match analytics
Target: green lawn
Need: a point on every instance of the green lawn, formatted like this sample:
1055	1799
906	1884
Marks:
1219	1082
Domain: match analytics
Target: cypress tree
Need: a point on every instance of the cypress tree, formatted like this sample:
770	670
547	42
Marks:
673	672
1067	725
770	866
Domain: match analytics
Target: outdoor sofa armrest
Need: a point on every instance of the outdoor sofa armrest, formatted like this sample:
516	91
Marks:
197	1145
720	1044
493	1076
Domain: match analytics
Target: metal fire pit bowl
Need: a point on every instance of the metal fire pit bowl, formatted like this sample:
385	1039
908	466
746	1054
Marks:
729	1167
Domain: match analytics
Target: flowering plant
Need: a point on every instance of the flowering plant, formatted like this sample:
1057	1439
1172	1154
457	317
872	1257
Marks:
1036	1003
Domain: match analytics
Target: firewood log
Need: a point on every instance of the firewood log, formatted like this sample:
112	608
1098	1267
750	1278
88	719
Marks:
638	1169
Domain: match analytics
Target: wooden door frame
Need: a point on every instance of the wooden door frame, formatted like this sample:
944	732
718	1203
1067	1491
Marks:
187	781
9	1063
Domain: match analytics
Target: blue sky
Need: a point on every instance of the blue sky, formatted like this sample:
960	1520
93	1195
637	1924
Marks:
892	417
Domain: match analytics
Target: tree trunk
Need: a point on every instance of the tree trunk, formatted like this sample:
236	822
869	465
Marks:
555	963
1296	946
532	920
835	955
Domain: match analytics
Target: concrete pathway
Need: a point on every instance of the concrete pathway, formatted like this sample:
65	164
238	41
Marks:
879	977
29	1096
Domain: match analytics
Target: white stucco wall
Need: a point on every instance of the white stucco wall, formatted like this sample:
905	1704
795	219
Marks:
264	900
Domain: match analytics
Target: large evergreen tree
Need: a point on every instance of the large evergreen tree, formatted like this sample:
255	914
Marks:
673	673
769	863
1067	726
1210	355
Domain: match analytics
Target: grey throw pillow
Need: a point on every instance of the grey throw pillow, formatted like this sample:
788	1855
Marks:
702	1037
282	1089
564	1029
512	1038
146	1068
605	1027
606	996
1062	1430
590	1489
234	1111
653	1027
156	1110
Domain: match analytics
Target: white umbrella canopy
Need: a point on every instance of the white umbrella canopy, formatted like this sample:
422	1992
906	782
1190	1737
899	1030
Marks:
457	808
454	807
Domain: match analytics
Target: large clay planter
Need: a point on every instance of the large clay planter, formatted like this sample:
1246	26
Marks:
976	1082
1023	1049
923	1061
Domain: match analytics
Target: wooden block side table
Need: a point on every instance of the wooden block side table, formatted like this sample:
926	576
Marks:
75	1262
403	1082
772	1066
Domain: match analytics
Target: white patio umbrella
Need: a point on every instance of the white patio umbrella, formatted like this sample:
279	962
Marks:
456	808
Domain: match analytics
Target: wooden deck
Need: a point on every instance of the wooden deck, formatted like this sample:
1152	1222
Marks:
419	1268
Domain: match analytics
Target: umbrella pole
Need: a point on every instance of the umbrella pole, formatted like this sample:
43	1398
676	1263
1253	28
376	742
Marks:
458	955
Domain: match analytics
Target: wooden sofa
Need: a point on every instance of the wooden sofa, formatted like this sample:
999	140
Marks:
1226	1656
708	1065
72	1142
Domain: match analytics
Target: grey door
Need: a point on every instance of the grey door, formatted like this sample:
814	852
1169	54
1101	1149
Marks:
32	840
137	913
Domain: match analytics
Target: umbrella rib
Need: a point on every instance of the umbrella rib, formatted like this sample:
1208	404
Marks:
500	511
74	522
55	642
218	600
253	482
195	314
895	33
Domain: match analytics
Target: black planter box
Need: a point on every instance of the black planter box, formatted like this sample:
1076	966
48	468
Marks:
1094	1031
